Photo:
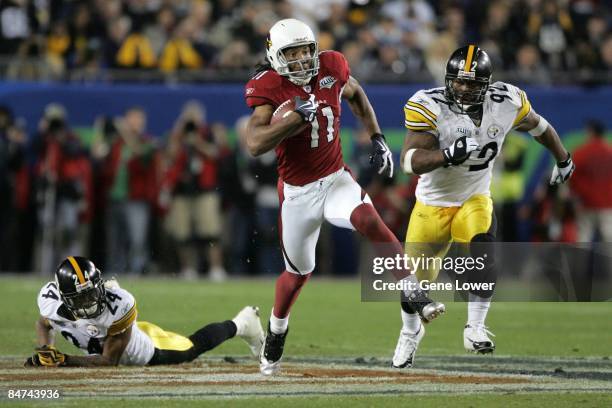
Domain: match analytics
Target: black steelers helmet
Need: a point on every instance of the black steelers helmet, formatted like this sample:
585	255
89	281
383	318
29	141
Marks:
81	287
472	65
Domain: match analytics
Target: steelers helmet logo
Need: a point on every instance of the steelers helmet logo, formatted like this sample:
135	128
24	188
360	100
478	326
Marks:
92	330
493	131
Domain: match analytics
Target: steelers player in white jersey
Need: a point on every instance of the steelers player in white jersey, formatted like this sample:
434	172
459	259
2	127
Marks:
454	134
99	318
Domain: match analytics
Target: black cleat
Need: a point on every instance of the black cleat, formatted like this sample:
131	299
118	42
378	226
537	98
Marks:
424	306
272	352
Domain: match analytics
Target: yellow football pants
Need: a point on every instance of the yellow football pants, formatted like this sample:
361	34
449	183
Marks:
432	229
165	340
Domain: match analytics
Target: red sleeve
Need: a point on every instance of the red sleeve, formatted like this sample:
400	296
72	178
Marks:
172	174
335	63
261	89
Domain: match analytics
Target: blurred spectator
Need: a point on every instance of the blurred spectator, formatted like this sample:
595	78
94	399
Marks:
63	185
550	25
606	57
361	63
58	45
238	186
415	16
529	67
235	56
179	52
17	23
159	33
118	30
592	185
191	186
263	170
445	43
337	26
500	35
315	11
551	213
13	185
131	174
394	202
82	32
508	186
588	47
136	50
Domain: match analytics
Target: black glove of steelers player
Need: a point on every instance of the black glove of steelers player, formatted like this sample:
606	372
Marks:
459	151
46	356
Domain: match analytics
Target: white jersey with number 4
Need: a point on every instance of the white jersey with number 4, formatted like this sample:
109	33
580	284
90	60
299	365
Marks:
89	334
504	108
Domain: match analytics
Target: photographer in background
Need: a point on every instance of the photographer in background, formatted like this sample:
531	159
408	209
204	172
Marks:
592	185
190	188
63	188
13	190
130	173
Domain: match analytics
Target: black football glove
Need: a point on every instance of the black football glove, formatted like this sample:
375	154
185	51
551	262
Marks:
47	356
562	171
459	151
381	156
32	361
306	108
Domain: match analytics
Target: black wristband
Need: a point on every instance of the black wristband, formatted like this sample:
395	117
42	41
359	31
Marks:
301	115
378	134
566	162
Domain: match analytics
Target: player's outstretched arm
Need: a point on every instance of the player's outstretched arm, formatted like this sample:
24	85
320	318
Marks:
545	134
421	152
262	136
44	333
114	346
360	105
425	154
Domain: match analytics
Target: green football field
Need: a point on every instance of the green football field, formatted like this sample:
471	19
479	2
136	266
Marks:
338	352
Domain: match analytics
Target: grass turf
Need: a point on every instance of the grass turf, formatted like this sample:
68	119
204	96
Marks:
330	321
557	400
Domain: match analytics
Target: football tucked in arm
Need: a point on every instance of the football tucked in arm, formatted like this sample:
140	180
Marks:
283	110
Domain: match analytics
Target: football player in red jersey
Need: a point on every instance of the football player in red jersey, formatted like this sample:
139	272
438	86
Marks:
314	183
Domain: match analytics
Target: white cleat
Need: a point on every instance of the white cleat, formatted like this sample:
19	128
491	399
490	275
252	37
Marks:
476	339
406	348
248	328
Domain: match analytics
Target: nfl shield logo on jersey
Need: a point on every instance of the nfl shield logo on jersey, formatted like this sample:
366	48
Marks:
493	131
327	82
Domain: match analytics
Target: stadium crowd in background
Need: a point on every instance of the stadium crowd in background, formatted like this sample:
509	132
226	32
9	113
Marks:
101	40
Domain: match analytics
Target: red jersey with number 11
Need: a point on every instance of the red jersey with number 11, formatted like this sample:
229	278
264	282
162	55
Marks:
315	152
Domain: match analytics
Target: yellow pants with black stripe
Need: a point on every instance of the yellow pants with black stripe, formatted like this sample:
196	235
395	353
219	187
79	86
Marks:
172	348
432	229
165	340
